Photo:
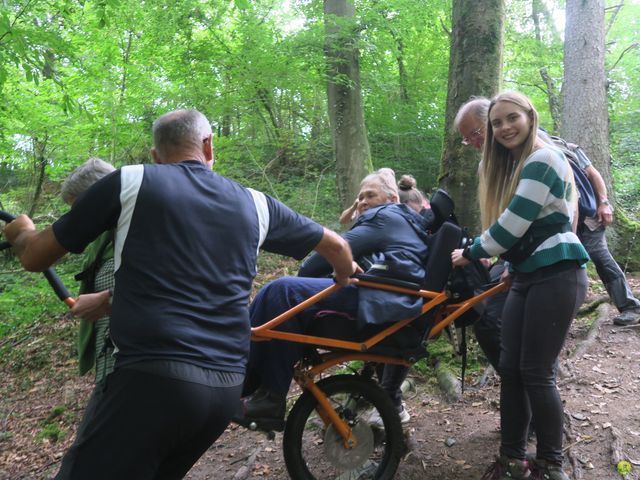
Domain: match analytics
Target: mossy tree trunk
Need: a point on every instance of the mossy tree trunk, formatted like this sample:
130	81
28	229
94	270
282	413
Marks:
346	115
585	119
475	64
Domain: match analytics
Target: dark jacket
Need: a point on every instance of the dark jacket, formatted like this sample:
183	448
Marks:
390	241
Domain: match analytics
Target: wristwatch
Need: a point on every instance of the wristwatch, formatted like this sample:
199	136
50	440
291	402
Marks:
605	202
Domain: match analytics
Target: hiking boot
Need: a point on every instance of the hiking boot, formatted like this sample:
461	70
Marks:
544	470
505	468
263	411
627	317
376	421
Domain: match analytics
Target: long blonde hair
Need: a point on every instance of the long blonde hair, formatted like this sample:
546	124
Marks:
499	170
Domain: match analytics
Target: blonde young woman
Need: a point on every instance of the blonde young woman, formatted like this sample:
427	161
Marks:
527	201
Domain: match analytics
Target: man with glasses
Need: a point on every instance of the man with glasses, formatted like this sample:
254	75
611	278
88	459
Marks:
186	246
470	121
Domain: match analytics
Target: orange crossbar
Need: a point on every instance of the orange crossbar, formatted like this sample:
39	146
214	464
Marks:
305	377
267	332
449	314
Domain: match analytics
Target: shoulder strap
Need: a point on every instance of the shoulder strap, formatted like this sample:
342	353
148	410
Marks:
88	274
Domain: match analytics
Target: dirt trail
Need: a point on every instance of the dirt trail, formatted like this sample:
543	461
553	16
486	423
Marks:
603	397
602	400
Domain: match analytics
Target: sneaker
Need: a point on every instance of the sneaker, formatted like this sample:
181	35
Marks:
627	317
262	410
376	421
544	470
505	468
403	414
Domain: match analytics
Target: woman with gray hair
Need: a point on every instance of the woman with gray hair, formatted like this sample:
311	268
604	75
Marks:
386	178
96	278
83	177
93	305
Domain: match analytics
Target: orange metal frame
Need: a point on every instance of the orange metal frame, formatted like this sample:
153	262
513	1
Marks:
305	377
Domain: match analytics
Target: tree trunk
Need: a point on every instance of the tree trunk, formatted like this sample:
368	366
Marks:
585	119
40	166
475	65
584	108
346	115
554	101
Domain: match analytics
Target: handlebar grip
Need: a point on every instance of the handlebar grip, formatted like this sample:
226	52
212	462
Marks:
6	217
57	285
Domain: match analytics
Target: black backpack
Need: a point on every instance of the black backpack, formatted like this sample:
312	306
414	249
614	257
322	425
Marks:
587	204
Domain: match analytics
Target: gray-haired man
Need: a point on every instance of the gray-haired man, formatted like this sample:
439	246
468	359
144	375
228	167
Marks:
186	245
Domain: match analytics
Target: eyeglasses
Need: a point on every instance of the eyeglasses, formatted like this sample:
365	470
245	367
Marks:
472	136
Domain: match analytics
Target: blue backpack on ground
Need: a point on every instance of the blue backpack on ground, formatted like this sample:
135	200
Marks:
587	204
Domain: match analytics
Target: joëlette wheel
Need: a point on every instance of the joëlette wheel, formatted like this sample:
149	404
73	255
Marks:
315	451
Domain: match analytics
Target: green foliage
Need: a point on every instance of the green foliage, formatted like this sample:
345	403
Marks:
53	428
27	297
87	78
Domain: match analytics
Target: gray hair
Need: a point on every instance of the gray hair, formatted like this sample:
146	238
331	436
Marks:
184	129
386	177
83	177
475	106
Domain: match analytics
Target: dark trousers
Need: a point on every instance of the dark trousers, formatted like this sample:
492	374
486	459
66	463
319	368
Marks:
536	318
391	381
487	327
271	363
612	276
146	426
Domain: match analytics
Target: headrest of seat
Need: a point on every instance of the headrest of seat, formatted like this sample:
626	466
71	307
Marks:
442	205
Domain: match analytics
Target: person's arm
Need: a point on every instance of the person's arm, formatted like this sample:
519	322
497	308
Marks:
36	251
605	212
363	238
347	215
337	252
92	306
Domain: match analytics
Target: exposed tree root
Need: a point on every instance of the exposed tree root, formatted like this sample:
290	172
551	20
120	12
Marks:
592	305
245	470
569	450
448	382
603	313
617	446
566	371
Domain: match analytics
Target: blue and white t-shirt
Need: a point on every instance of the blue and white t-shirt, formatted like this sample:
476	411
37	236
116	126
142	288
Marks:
186	246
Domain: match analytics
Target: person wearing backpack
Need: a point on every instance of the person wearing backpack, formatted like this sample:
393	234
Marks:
591	232
470	121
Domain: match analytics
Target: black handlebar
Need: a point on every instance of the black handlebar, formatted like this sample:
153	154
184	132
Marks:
58	287
6	217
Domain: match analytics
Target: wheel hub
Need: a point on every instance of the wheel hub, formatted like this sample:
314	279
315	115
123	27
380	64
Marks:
348	458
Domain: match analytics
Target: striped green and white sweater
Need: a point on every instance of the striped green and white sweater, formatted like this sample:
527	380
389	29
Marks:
539	200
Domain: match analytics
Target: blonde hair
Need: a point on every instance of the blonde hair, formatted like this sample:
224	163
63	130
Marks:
499	170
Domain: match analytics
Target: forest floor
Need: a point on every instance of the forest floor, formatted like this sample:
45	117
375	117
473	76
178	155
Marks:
42	398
